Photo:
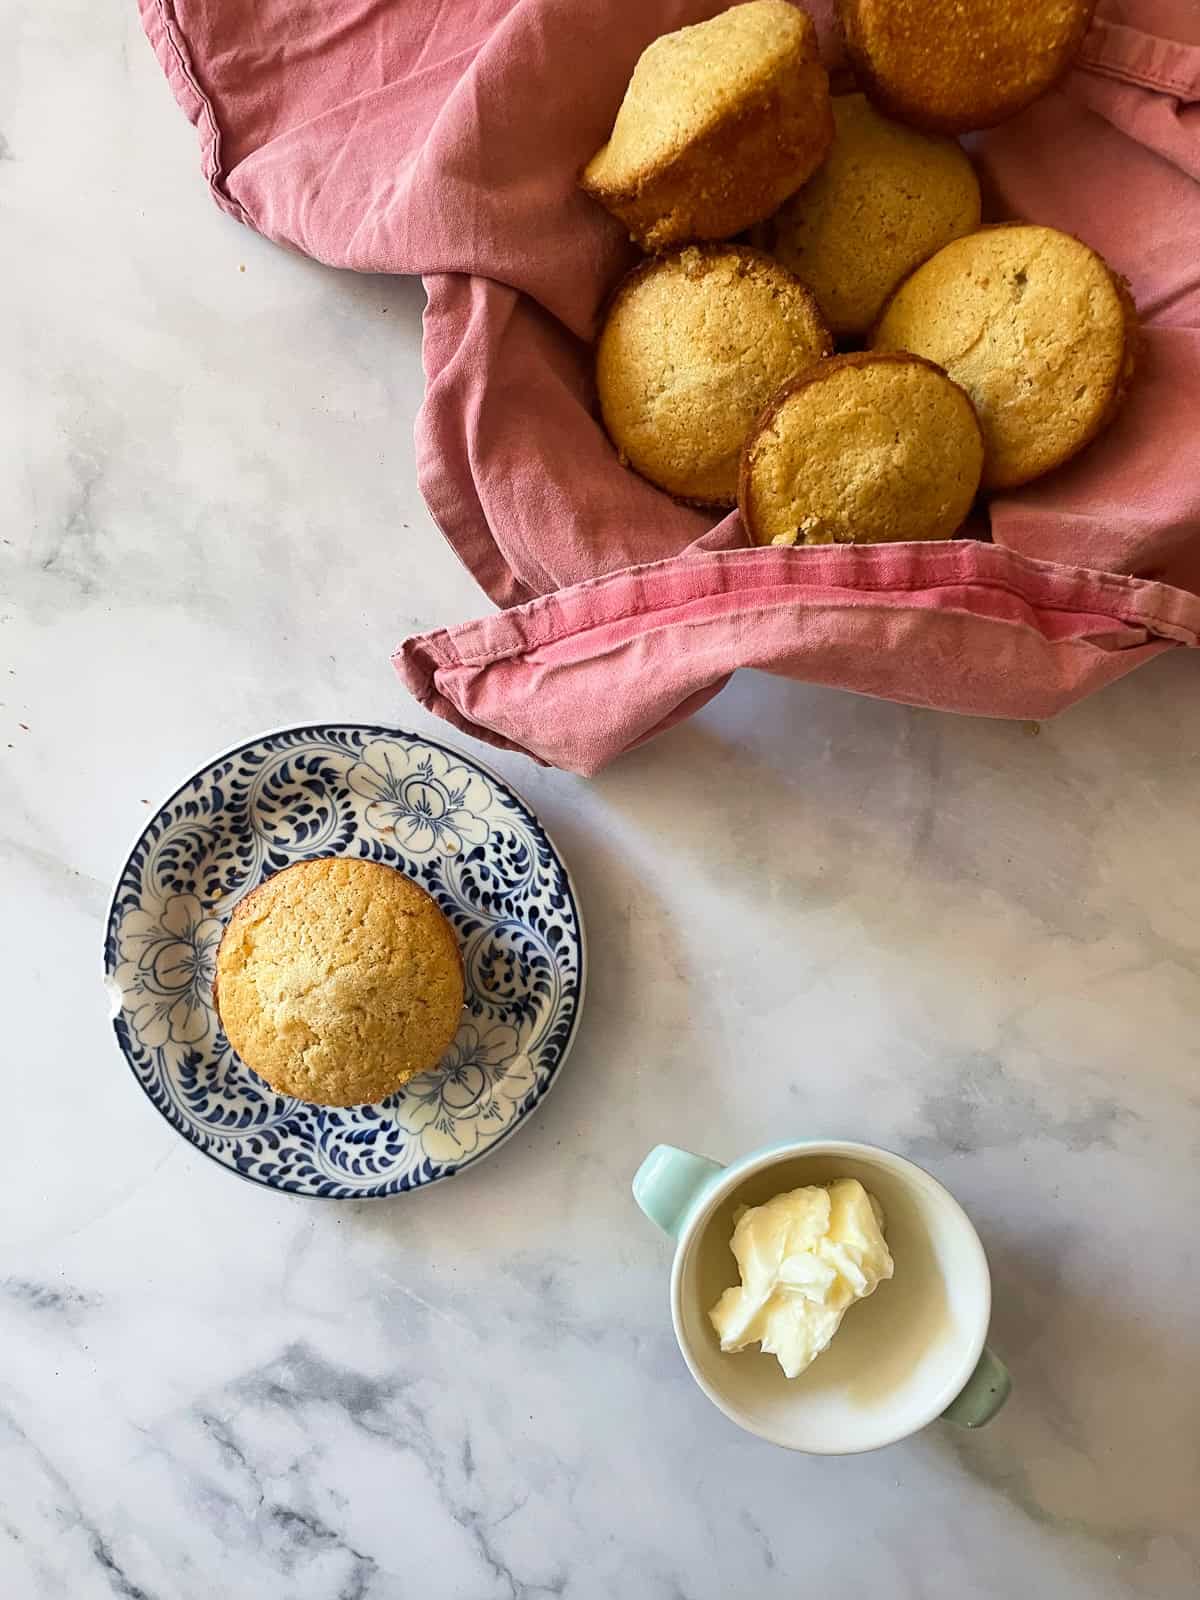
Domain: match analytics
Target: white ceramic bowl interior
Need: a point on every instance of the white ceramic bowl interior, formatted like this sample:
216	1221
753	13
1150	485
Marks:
900	1357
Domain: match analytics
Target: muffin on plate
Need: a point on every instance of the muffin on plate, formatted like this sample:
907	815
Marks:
720	121
884	200
861	450
338	980
1035	327
953	65
694	346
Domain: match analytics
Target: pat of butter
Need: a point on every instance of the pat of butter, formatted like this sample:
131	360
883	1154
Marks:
803	1257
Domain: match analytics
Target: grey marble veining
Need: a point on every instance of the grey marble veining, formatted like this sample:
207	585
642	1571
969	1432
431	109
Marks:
975	943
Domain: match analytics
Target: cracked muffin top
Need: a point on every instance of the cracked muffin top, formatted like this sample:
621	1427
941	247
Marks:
953	65
339	980
864	449
695	345
1038	331
885	199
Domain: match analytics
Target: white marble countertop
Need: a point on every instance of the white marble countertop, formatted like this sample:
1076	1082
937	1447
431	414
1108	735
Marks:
810	914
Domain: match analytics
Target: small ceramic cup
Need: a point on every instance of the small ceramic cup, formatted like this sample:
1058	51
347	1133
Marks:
912	1351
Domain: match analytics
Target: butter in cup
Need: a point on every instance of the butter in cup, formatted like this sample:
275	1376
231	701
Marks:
900	1357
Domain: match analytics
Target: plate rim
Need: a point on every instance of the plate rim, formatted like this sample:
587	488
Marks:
376	728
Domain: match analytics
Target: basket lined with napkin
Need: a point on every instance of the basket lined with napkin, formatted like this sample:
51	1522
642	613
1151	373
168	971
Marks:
446	141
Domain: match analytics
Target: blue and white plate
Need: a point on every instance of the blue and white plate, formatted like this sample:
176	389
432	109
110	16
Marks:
345	789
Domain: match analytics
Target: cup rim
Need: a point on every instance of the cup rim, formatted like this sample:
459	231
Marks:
734	1174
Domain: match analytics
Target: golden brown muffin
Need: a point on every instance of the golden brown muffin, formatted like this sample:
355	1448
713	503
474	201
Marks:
885	199
861	450
694	346
338	980
1037	330
720	121
953	65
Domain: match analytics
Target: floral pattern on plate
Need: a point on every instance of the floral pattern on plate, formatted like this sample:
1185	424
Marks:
425	799
436	816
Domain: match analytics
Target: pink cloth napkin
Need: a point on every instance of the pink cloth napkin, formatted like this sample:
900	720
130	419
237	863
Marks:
415	136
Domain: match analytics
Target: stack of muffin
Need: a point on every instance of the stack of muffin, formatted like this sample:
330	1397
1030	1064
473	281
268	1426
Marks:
971	355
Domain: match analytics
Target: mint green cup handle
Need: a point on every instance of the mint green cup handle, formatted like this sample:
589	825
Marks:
986	1390
668	1184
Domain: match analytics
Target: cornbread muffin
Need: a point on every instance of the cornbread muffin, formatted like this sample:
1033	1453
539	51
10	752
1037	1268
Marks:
1037	330
861	450
885	199
694	346
953	65
720	121
338	980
